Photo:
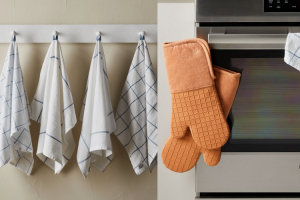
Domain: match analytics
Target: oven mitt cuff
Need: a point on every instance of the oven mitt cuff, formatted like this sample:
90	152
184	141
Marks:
195	102
188	65
227	83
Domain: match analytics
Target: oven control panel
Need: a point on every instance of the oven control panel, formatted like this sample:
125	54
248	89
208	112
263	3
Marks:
282	5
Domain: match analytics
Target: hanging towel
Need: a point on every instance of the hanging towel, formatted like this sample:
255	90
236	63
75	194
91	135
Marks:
292	50
53	107
97	117
136	116
15	139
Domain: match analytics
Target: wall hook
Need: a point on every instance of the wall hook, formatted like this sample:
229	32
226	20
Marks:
55	35
98	36
13	36
142	35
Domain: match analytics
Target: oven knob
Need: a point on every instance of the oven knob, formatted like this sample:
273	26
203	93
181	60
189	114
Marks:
286	1
278	1
270	1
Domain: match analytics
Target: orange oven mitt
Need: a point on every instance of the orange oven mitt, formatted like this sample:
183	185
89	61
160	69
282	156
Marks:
195	102
181	155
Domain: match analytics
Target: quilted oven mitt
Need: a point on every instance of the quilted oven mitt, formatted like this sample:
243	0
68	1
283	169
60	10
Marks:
181	155
195	102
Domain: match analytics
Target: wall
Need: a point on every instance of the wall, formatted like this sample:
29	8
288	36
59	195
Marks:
175	1
118	181
171	27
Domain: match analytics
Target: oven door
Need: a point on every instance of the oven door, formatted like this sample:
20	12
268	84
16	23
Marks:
262	155
265	116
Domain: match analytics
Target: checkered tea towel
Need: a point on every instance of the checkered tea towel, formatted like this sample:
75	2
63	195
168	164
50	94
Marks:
292	50
53	107
97	117
136	116
15	139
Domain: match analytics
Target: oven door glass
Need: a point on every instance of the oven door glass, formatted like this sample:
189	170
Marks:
265	116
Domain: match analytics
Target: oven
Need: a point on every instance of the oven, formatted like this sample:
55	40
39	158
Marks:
262	156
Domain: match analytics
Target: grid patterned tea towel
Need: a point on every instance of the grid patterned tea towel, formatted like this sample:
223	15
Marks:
15	139
53	107
292	50
136	117
97	116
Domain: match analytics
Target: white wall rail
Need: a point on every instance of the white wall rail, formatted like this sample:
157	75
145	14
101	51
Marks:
110	33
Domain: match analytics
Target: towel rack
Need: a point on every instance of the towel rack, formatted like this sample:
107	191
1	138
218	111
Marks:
110	33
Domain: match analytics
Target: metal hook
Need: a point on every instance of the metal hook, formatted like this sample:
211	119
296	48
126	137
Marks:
13	36
142	35
98	36
55	35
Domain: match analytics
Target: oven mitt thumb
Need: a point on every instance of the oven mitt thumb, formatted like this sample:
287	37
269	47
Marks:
181	155
195	102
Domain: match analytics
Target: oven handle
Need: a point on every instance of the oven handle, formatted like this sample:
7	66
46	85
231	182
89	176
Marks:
247	41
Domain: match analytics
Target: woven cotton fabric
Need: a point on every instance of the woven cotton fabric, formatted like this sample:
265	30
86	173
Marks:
97	117
53	107
136	116
292	50
15	139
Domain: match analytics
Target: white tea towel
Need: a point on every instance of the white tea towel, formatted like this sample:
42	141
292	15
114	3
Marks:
53	107
15	139
97	117
136	116
292	50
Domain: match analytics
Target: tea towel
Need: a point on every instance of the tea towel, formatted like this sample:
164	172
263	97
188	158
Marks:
136	116
292	50
53	107
15	138
97	117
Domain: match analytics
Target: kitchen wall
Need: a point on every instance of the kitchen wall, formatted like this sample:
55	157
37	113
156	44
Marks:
118	181
175	22
175	1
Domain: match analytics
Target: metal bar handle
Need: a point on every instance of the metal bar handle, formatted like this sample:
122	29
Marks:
247	41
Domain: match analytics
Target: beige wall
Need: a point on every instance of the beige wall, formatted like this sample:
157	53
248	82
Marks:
78	12
118	181
175	1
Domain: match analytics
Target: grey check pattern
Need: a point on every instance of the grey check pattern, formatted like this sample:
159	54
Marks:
136	116
15	139
53	107
292	50
97	117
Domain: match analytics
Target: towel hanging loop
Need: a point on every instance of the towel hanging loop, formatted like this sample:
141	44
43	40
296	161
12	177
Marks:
55	35
13	36
98	36
142	35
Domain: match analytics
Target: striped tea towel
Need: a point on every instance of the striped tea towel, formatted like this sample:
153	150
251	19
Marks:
136	117
53	107
97	117
292	50
15	139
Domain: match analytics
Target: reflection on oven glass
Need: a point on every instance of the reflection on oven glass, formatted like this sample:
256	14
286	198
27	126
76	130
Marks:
267	104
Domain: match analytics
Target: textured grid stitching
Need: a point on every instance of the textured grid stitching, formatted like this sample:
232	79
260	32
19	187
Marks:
199	110
212	156
181	155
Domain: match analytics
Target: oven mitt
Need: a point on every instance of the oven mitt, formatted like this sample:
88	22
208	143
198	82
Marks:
195	102
181	155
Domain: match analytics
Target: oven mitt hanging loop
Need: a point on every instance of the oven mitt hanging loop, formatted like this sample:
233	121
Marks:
195	102
181	155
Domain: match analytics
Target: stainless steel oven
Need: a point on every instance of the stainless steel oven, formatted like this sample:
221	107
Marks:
262	155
